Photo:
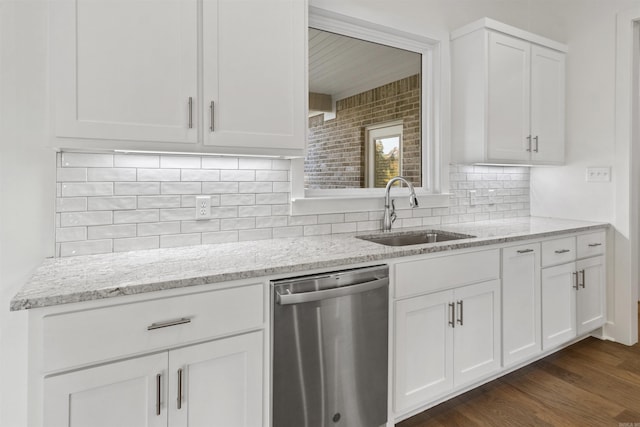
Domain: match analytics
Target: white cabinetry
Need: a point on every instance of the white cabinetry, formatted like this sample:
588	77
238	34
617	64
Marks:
507	96
218	383
194	359
520	303
445	339
125	75
573	293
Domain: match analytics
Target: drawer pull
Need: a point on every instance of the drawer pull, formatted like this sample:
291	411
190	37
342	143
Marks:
158	393
593	245
168	323
562	251
524	251
180	388
452	309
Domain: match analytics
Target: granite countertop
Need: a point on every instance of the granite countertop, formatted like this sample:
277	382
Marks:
85	278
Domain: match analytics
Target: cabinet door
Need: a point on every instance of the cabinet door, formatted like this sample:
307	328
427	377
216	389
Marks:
590	303
254	74
423	349
521	336
116	394
558	304
221	383
547	104
124	70
477	332
508	98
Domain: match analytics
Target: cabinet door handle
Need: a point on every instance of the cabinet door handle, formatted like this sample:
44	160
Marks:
524	251
562	251
536	139
452	309
529	140
190	103
583	278
168	323
158	392
593	245
211	117
575	280
180	388
461	313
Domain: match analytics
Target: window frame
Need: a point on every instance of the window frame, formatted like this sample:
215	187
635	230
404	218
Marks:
374	133
313	201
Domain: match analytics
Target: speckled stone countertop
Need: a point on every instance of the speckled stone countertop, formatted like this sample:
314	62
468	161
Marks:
84	278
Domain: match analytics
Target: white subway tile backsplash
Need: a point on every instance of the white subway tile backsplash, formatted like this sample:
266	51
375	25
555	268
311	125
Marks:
74	219
219	163
200	226
158	228
136	244
158	174
136	188
180	187
111	174
136	161
177	240
72	174
71	204
75	189
122	202
180	162
255	234
237	175
132	217
149	202
87	247
111	203
71	234
220	237
78	160
237	199
111	231
200	175
178	214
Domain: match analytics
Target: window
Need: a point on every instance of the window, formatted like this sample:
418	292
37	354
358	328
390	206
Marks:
383	154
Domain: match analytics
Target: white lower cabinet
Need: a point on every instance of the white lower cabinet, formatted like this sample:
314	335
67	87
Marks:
521	338
216	383
445	340
590	308
558	305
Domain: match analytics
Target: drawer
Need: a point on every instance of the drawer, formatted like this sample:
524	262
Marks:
84	337
416	277
592	244
558	251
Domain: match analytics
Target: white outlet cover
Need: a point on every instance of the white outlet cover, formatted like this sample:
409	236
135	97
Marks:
598	174
203	207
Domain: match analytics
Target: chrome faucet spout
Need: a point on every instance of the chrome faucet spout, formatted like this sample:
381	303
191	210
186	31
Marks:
389	207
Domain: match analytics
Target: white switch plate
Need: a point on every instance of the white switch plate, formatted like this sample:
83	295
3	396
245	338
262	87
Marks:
203	207
599	174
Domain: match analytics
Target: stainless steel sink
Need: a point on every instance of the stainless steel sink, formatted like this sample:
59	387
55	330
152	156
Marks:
415	237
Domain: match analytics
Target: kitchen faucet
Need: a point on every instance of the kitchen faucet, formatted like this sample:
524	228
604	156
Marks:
390	216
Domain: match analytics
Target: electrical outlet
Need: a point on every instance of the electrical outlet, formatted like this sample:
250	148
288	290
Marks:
203	207
599	174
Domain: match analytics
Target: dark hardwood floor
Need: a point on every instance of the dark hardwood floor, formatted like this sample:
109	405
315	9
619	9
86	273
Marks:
591	383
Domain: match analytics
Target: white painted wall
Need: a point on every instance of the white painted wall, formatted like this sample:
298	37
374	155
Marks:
27	179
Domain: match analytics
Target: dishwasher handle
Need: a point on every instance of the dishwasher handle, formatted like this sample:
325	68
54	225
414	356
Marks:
287	299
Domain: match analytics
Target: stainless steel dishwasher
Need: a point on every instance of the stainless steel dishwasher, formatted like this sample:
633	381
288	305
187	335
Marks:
329	341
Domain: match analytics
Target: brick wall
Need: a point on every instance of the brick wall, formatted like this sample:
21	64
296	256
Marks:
336	148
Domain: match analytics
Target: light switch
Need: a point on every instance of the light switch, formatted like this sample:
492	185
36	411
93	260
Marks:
599	174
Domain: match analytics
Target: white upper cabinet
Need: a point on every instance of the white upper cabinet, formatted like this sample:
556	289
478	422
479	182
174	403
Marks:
125	70
508	90
125	75
254	74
